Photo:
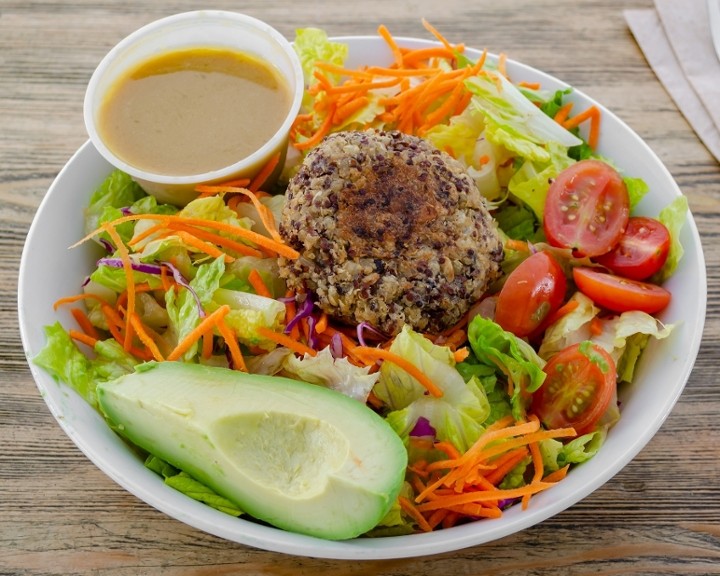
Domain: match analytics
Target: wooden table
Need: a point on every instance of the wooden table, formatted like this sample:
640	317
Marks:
61	515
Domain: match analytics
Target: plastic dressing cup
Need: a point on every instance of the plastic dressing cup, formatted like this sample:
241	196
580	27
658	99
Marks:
212	29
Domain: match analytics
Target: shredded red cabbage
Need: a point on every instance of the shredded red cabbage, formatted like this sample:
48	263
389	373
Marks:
336	347
156	269
305	310
422	428
372	331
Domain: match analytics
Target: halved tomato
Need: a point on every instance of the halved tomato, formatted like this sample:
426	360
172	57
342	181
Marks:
534	290
587	208
641	251
620	294
579	385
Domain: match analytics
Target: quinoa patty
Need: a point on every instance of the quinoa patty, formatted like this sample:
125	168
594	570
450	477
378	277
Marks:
391	231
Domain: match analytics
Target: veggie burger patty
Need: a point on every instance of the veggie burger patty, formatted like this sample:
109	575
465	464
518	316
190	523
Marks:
391	231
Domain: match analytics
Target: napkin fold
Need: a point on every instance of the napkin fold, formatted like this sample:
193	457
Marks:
676	40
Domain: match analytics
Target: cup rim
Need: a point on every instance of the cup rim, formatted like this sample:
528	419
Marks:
156	26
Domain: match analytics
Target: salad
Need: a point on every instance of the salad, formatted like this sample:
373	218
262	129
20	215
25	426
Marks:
493	410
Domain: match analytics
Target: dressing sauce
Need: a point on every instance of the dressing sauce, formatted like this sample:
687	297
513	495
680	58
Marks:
193	111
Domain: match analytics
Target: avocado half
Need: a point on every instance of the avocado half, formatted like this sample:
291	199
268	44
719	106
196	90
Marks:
298	456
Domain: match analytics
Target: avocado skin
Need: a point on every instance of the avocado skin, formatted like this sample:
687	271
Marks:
295	455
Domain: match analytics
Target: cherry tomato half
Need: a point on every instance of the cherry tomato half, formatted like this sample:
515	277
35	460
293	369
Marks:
587	208
531	292
580	383
641	250
620	294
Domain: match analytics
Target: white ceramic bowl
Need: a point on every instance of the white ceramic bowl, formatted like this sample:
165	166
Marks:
661	376
205	29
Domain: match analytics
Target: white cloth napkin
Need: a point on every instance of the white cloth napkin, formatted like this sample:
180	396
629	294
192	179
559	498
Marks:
675	38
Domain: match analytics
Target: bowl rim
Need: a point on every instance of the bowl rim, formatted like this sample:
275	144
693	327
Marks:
415	545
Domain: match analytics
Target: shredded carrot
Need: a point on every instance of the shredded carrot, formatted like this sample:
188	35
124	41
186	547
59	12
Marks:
461	354
385	35
505	464
196	333
557	475
321	132
562	114
84	323
593	114
145	337
482	496
502	64
430	28
564	310
538	469
596	327
216	239
83	337
529	85
207	345
202	246
374	354
448	448
412	511
517	245
231	342
322	323
239	183
127	268
259	239
258	284
261	177
287	341
266	215
76	298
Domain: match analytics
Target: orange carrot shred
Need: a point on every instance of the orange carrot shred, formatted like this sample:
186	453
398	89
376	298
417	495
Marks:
261	177
231	342
258	284
84	323
413	512
385	34
145	337
373	354
83	337
196	333
287	341
127	268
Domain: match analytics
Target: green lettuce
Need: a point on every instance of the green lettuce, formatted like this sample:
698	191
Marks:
117	191
248	312
515	122
182	308
673	217
186	484
457	416
511	357
64	361
623	336
313	45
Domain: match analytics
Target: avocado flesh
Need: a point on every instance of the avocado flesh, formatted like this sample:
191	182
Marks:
295	455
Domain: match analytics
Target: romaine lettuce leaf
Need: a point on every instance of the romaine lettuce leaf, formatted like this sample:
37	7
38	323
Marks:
513	121
673	217
65	362
182	308
511	357
457	416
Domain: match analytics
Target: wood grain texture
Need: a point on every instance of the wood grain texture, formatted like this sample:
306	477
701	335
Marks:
61	515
